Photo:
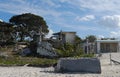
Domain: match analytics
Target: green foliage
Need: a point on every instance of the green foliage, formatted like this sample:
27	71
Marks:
69	50
91	38
60	52
77	54
88	55
79	51
6	31
107	38
66	50
27	23
68	47
78	40
84	56
27	60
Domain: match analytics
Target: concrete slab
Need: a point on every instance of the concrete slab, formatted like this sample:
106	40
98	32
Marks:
83	65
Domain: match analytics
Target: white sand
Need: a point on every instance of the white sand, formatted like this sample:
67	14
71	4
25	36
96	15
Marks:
24	71
107	71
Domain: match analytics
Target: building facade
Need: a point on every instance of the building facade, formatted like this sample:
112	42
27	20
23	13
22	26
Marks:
65	37
89	48
104	46
60	38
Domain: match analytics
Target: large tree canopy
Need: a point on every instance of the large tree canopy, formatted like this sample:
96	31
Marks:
25	23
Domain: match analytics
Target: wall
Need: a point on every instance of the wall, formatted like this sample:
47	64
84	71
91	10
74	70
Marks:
86	65
70	37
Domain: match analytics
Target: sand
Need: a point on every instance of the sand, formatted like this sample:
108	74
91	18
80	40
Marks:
107	71
24	71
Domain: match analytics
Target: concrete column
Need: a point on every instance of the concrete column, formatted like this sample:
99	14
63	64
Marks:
98	47
118	49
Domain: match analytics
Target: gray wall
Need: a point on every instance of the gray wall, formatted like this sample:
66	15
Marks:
87	65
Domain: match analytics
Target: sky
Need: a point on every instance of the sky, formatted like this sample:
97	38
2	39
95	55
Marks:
86	17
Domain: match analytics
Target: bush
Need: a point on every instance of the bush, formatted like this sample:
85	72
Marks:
79	51
85	55
67	50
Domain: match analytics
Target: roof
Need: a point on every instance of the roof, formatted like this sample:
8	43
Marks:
58	33
108	41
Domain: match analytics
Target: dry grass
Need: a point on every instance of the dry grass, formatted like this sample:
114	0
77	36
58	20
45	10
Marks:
7	57
27	60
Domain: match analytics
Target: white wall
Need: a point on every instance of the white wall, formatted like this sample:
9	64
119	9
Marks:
70	37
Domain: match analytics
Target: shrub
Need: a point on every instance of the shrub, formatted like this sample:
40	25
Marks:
79	51
67	50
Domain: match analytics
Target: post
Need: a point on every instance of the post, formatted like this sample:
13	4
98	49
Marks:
118	49
110	56
110	59
87	46
98	47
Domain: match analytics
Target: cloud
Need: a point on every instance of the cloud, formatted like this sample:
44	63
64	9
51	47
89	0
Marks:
79	27
110	21
96	5
35	6
52	4
100	5
112	25
47	9
115	34
1	20
85	18
100	36
50	33
62	12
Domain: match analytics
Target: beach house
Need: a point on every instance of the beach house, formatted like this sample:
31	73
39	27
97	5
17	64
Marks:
65	37
103	46
62	37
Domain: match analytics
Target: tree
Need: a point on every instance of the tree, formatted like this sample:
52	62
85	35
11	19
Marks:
91	38
27	23
6	31
78	40
78	50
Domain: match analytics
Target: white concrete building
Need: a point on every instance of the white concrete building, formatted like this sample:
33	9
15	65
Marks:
65	37
103	46
89	48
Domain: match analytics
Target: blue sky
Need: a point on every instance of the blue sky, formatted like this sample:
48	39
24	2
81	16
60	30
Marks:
86	17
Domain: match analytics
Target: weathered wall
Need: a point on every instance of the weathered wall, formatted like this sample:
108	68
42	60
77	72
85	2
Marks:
87	65
70	37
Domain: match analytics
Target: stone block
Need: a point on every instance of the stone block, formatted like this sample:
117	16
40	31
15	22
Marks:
83	65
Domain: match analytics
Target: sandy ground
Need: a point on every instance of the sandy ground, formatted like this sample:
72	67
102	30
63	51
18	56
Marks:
107	71
24	71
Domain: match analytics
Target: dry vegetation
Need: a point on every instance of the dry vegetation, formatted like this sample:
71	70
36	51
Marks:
8	58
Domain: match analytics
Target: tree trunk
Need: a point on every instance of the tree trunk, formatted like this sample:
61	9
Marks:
21	37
